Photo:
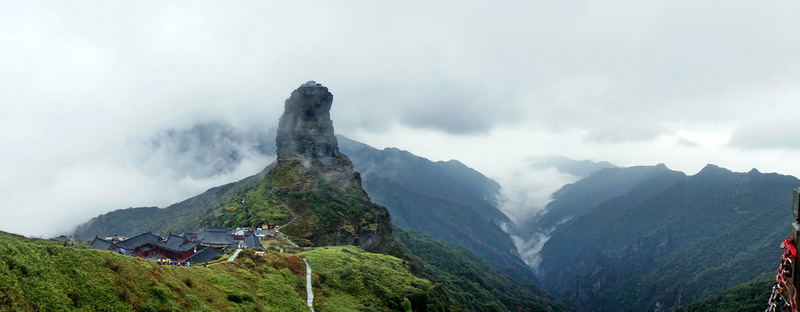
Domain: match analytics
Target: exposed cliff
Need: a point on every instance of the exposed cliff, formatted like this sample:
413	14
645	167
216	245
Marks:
305	129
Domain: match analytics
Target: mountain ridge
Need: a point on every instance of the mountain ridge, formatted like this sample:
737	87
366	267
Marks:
671	248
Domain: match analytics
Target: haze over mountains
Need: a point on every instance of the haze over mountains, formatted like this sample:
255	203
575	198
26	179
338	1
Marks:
578	168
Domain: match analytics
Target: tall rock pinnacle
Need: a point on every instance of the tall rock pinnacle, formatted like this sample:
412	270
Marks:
305	129
317	183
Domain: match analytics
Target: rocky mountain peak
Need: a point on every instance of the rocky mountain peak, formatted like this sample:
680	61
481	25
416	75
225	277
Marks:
317	183
305	129
712	170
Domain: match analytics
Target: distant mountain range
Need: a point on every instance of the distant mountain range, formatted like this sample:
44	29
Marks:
577	199
447	200
650	238
578	168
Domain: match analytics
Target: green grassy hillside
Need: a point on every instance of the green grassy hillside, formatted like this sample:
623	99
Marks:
38	275
348	279
746	297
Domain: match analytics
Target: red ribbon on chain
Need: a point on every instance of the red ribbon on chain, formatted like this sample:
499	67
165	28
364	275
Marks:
783	284
788	243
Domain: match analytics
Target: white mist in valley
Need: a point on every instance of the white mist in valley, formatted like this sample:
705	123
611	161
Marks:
526	191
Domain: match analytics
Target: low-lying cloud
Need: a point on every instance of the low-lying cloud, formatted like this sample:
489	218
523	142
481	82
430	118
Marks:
205	150
527	191
156	170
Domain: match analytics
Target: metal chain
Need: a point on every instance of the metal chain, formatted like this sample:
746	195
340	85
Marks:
783	285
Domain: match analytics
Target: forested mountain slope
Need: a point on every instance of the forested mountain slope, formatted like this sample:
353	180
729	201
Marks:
471	283
576	199
447	200
751	296
701	235
175	218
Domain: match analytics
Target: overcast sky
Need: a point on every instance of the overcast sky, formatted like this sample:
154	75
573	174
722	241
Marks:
96	95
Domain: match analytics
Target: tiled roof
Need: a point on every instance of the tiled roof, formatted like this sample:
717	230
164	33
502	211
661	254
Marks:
217	237
139	240
252	241
204	255
99	243
193	236
176	243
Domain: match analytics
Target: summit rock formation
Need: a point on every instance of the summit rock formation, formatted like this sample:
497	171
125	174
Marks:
312	189
305	129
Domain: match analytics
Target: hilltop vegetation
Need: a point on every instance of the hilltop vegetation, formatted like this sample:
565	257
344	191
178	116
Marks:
330	205
256	206
348	279
45	276
746	297
40	275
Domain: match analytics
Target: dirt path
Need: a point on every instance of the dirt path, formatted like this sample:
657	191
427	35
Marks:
294	218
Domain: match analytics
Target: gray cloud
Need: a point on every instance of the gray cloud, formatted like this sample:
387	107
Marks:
526	191
687	143
626	133
774	135
160	168
205	150
567	65
446	106
457	112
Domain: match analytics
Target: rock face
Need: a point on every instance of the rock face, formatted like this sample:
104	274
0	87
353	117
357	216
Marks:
305	128
317	182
